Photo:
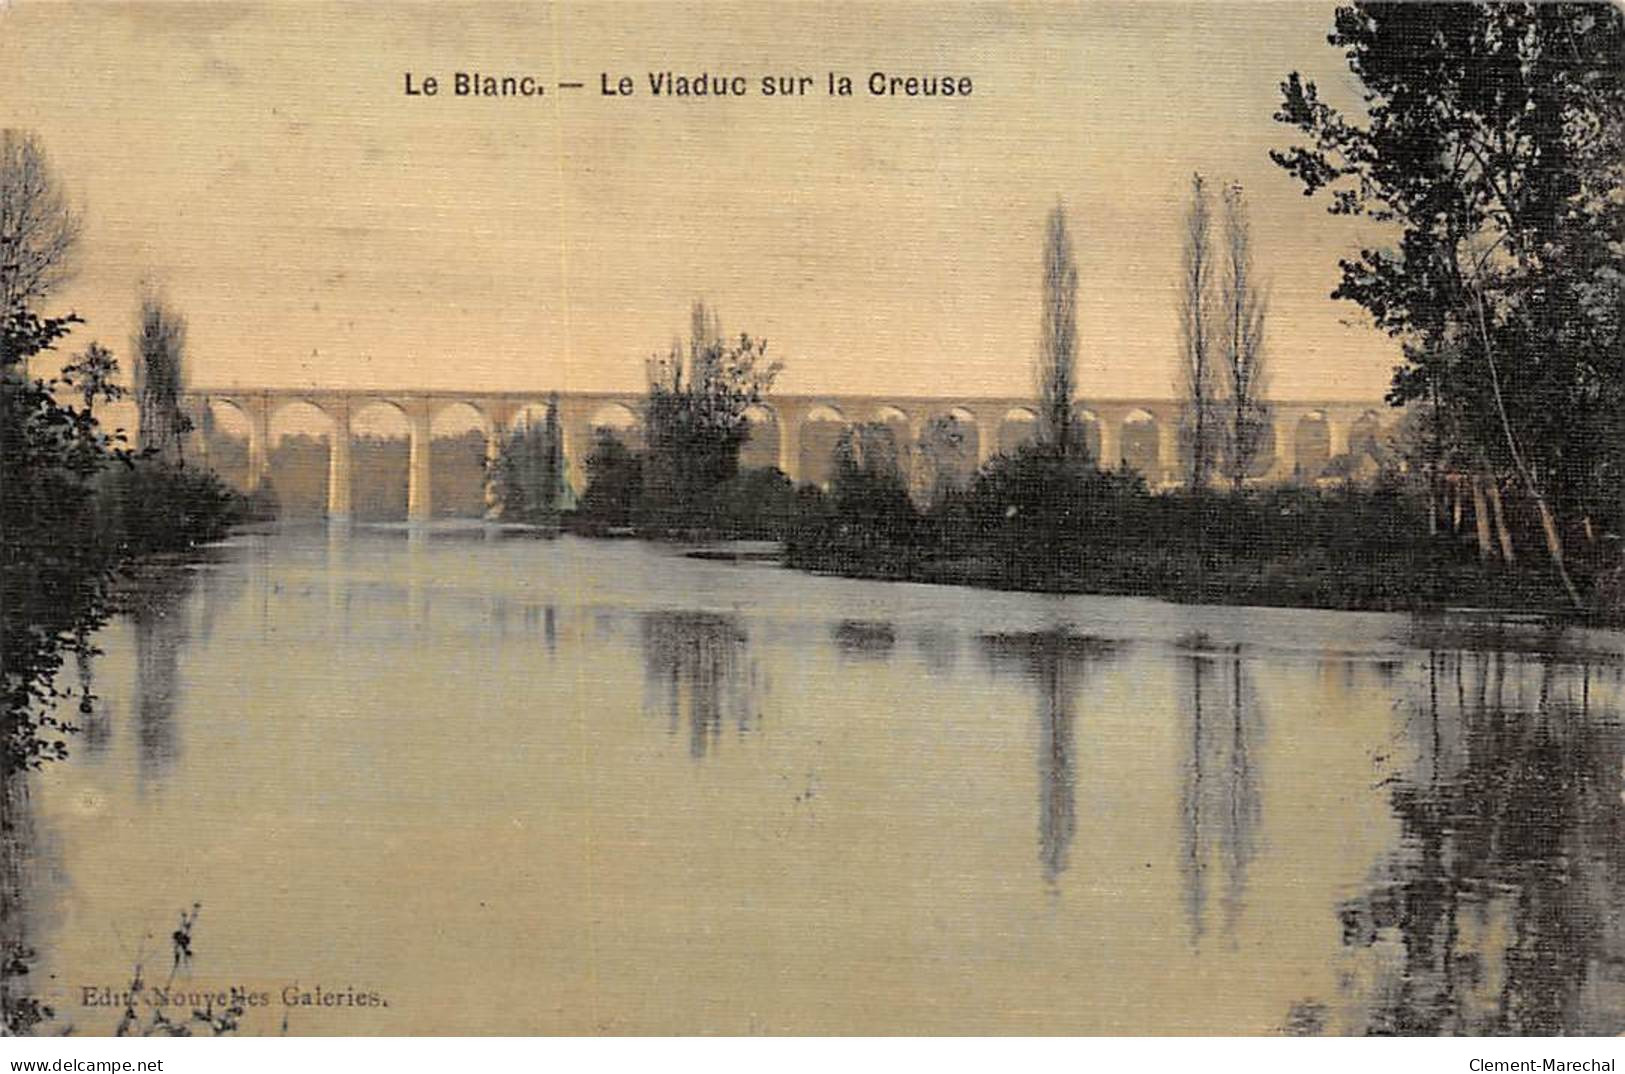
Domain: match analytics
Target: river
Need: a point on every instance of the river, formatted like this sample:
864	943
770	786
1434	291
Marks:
449	783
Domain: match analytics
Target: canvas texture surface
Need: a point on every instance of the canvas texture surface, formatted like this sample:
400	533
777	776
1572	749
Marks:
700	518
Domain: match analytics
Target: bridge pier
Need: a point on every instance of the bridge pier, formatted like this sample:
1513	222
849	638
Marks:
1286	447
419	501
1167	448
1337	435
197	441
987	437
338	464
495	434
1111	450
578	445
790	444
259	443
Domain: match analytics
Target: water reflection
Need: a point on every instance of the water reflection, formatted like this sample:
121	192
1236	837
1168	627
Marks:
417	576
35	896
220	588
257	573
1438	850
1220	798
1053	662
539	620
864	639
696	669
1499	912
20	1008
339	544
939	649
157	619
94	722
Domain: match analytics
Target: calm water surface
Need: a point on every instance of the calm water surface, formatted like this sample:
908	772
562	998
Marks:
523	786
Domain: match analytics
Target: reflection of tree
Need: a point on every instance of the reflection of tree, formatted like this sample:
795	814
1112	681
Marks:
158	621
1501	910
939	649
20	1011
154	603
94	724
864	639
1053	661
220	589
695	665
1220	805
543	620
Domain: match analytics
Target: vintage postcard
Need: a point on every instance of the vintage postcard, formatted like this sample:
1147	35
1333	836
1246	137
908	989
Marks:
812	519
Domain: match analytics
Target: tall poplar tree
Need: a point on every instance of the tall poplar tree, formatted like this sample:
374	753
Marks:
1245	306
1198	361
1058	340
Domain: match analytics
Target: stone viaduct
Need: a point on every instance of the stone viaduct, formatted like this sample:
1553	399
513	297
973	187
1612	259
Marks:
790	431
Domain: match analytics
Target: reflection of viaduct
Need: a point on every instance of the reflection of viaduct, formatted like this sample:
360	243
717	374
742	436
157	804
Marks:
792	431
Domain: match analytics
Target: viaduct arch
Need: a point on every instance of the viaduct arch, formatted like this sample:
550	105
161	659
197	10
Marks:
993	423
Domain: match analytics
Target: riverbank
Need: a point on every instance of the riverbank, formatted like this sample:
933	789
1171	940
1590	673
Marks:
1036	520
1046	524
1424	578
1309	580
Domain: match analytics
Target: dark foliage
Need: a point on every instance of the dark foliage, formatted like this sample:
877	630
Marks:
530	471
614	484
686	480
1492	143
1039	519
758	504
696	420
151	506
75	506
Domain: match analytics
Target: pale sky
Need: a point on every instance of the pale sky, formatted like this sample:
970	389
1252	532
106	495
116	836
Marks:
320	228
